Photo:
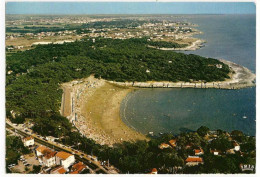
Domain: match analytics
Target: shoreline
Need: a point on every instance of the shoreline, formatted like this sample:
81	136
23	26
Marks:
194	46
93	105
242	78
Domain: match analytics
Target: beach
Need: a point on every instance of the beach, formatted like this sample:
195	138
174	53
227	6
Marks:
93	105
94	109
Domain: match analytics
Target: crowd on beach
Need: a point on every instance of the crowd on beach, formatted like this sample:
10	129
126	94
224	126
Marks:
81	92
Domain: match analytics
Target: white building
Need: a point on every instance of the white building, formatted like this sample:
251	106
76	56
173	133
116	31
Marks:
198	152
46	156
48	159
64	159
28	141
51	138
40	150
193	160
236	146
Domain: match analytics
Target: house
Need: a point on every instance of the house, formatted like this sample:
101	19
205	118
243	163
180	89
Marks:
215	152
78	168
154	171
163	146
28	141
173	142
51	138
236	146
64	159
58	170
46	156
40	150
219	66
198	151
48	159
193	160
230	151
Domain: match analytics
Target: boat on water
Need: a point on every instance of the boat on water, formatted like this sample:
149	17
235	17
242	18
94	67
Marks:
244	117
151	133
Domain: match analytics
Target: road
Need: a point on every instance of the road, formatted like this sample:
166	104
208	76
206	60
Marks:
92	164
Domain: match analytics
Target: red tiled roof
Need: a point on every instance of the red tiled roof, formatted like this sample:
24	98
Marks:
28	138
194	159
173	141
154	170
198	151
42	149
63	155
49	155
59	170
163	145
78	167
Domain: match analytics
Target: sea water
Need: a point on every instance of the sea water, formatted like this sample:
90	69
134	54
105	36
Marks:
231	37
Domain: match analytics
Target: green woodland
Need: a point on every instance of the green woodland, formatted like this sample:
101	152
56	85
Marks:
33	92
33	87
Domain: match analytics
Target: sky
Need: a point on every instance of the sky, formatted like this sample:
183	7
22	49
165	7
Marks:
130	8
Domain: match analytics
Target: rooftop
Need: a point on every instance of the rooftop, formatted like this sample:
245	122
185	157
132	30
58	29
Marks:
194	159
28	138
63	155
59	170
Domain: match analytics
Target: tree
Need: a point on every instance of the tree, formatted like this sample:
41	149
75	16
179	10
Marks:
203	131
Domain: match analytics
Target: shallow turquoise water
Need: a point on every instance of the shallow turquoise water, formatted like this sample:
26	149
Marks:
231	37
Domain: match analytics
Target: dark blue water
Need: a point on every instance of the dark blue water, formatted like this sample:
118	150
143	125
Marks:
231	37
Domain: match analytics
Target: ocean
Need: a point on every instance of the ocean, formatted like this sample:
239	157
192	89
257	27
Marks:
230	37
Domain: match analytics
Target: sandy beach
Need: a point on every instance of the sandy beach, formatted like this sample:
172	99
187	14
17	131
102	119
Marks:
93	105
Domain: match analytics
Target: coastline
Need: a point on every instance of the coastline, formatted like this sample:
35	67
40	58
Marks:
242	78
93	105
95	110
194	46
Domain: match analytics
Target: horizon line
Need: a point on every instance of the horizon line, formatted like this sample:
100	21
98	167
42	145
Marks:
146	14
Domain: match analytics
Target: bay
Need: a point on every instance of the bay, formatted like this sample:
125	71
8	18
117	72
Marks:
230	37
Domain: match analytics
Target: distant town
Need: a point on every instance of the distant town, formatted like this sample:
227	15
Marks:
27	31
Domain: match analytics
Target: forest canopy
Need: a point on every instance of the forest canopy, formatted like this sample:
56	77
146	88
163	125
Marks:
33	77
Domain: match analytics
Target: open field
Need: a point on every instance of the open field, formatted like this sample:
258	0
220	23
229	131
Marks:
27	42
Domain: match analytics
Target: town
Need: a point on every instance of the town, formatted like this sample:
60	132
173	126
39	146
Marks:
42	155
46	156
26	32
